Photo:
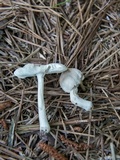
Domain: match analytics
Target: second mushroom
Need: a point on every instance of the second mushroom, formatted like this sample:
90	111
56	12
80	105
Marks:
69	82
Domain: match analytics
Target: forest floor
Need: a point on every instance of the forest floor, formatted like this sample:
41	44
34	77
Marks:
79	34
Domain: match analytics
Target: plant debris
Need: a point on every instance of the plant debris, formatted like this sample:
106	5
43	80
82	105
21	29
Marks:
51	151
4	105
79	34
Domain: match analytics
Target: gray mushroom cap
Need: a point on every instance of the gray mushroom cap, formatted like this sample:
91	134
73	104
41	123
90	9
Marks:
30	70
69	82
70	79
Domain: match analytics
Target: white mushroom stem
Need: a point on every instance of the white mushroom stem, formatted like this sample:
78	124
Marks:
77	101
30	70
44	125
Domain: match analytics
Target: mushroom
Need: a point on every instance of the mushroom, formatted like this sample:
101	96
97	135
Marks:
69	82
30	70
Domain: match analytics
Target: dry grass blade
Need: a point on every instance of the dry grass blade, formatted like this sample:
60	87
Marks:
89	33
10	153
11	133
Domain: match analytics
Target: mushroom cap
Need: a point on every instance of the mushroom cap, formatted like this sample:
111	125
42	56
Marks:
56	68
30	70
70	79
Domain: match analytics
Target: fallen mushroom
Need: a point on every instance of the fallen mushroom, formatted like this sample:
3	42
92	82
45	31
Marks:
69	82
30	70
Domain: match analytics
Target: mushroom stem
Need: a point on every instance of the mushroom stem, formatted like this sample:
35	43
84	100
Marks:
44	125
76	100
